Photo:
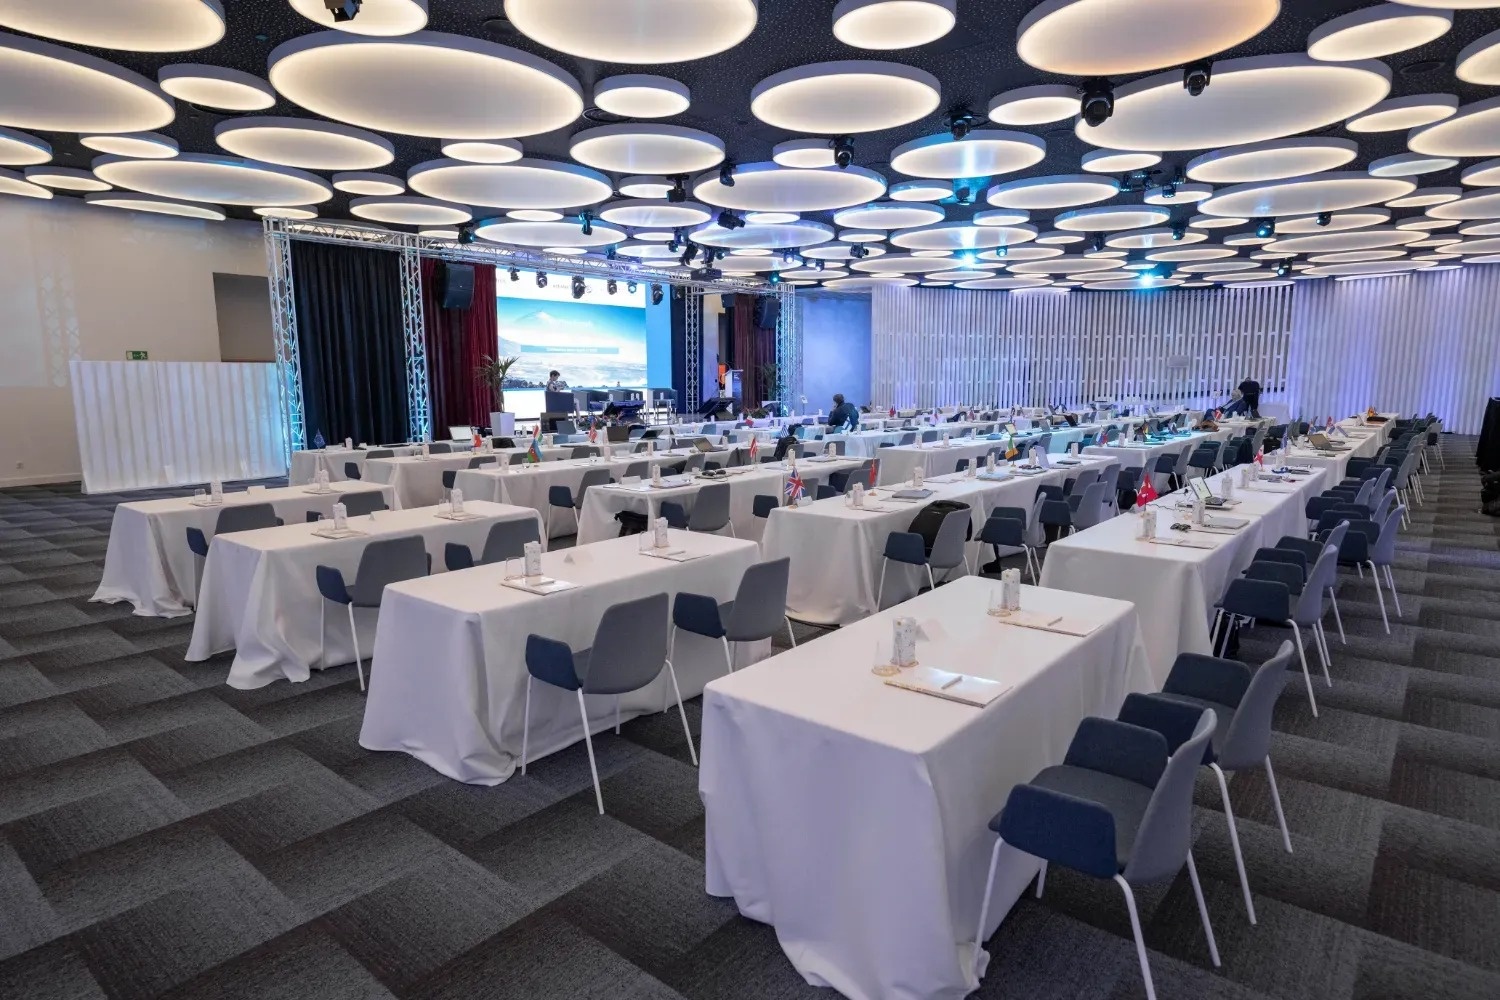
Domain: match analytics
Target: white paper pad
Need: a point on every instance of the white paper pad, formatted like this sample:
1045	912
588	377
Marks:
961	688
460	516
1180	543
673	555
1060	624
542	587
332	533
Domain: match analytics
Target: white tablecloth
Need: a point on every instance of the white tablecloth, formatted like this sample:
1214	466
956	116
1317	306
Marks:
448	683
148	562
896	464
1145	455
260	593
305	464
852	815
1176	588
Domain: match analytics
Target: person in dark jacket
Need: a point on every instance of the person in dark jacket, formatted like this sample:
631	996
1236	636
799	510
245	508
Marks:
1250	393
844	416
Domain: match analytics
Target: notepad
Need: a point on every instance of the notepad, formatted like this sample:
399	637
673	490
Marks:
462	515
1046	622
1181	543
961	688
541	586
334	533
911	495
672	555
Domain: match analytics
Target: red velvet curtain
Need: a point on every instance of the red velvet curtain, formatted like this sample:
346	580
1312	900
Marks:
754	348
456	340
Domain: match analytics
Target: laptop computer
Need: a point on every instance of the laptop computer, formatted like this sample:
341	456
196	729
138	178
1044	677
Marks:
1203	492
460	432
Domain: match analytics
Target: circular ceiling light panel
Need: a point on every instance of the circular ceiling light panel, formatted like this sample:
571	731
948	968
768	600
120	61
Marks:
1246	240
407	211
425	84
1003	284
141	145
1486	174
155	205
1191	253
864	284
1400	113
1112	218
1011	255
1215	222
1422	197
376	17
1479	62
767	187
892	24
640	95
482	151
65	179
1052	192
14	183
140	26
655	213
844	98
1480	229
1149	239
1259	274
1066	264
1368	267
1116	37
224	180
1371	32
1271	161
1056	237
1217	266
962	236
1357	239
1410	165
960	275
1479	247
646	251
1000	217
646	149
365	183
525	183
805	154
284	212
635	31
1250	100
1114	161
1353	256
982	153
889	215
1335	223
783	236
902	264
645	187
771	218
1180	194
1141	283
216	87
303	142
1479	205
924	190
17	149
1473	130
56	89
546	234
1329	192
1038	105
565	251
861	236
439	234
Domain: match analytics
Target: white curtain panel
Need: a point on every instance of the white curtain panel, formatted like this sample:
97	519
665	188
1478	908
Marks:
162	423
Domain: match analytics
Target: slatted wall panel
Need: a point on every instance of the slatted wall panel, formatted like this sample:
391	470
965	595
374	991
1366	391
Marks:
941	347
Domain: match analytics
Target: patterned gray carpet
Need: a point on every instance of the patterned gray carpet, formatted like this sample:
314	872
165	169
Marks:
164	835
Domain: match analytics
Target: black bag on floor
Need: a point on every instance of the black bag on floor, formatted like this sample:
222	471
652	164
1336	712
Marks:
930	518
632	522
1489	494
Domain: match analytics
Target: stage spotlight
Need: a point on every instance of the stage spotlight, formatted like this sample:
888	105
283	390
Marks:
656	295
541	279
728	220
726	175
1002	251
515	274
1196	77
775	278
579	288
786	256
676	242
466	235
1096	243
588	223
1169	191
859	252
968	259
343	10
963	194
1179	231
630	287
1096	101
679	191
843	151
1325	218
689	254
609	253
1283	267
820	264
960	121
611	286
1265	228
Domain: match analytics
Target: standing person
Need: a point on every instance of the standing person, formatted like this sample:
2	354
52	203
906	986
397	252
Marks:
844	415
1250	392
555	382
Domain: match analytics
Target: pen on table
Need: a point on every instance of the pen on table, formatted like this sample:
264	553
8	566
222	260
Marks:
1055	621
950	683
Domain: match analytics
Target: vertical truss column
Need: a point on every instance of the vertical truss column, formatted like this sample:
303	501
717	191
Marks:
418	406
693	347
284	331
789	351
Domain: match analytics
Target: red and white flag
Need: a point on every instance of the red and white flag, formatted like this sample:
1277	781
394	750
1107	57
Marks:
1260	457
594	435
874	473
754	449
1147	492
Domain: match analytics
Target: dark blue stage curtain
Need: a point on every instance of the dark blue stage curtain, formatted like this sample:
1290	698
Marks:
351	335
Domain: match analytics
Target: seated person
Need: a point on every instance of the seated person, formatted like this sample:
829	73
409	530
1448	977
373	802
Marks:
844	416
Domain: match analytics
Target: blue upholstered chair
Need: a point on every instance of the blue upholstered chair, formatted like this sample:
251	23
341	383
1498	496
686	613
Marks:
757	612
363	502
384	561
910	548
506	540
1005	528
562	496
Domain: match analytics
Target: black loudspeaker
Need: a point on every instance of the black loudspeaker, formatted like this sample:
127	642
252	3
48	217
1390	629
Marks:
767	311
456	285
727	302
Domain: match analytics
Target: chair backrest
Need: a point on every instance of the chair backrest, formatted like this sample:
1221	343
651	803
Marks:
1182	460
695	462
1054	512
380	453
760	603
1283	572
364	502
1004	530
630	646
593	477
246	517
1247	738
1084	479
1259	599
482	460
1091	508
929	436
948	546
710	508
910	437
519	458
566	427
351	471
639	470
440	448
507	540
1166	830
1111	478
1384	552
384	561
583	451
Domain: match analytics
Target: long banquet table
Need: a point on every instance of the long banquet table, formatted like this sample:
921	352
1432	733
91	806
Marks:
448	680
1145	454
852	816
305	464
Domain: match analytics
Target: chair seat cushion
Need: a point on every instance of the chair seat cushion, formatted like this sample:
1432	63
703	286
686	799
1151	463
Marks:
1126	800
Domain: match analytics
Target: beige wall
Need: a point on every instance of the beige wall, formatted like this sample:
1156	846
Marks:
93	283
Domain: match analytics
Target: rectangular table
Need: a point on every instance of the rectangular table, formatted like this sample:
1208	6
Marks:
1139	456
448	681
148	562
1334	465
852	816
305	464
933	459
260	595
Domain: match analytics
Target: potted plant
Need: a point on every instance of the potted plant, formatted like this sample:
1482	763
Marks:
491	372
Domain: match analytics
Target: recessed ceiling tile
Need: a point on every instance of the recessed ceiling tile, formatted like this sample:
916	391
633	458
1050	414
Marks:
303	142
546	234
283	212
892	24
1037	105
1371	32
962	236
1486	174
424	84
1061	191
1114	161
1410	165
65	179
204	177
1333	222
216	87
1252	99
1111	218
646	149
1273	160
1479	205
1329	192
1422	197
1178	193
525	183
18	149
409	211
56	89
843	98
1400	113
1146	239
889	215
155	205
1356	239
376	17
14	183
140	145
366	183
640	95
635	31
981	153
482	151
1473	130
655	213
139	26
1479	62
1109	38
768	187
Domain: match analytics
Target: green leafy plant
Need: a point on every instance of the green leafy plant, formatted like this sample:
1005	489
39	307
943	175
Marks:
492	373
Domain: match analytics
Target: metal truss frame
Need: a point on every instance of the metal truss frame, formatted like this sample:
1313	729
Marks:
288	353
418	391
692	350
789	351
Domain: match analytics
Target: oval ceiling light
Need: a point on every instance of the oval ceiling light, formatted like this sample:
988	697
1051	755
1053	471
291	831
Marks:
844	98
1369	267
482	151
806	154
1410	165
533	215
65	179
1480	229
889	215
1003	284
1066	264
902	263
526	183
1000	217
1112	38
1009	255
841	251
1250	100
157	26
303	142
14	183
645	251
981	153
767	187
862	236
439	234
1217	266
376	17
18	149
1114	161
1110	219
156	205
140	145
635	31
1357	239
640	95
1352	256
1038	105
1473	130
771	218
1335	222
868	283
924	190
424	84
646	149
547	234
1486	174
1178	194
1152	239
1061	191
408	211
1479	205
963	236
789	235
216	87
367	184
1174	254
56	89
1479	62
893	24
1215	222
285	212
1056	237
1401	113
1271	161
655	213
1330	192
1371	32
204	177
1422	197
645	187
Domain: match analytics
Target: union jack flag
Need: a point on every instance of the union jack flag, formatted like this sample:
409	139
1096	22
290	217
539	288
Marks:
793	487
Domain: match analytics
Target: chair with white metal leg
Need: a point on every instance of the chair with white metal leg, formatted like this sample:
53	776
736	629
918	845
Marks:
1383	557
561	497
948	550
757	612
1270	602
384	561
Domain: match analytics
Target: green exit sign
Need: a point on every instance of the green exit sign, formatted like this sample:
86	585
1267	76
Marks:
135	356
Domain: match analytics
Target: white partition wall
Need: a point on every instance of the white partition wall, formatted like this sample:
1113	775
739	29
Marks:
144	423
